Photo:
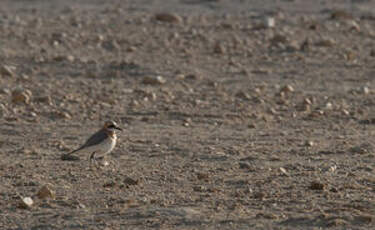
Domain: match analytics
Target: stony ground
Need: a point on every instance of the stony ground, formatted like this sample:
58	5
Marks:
231	121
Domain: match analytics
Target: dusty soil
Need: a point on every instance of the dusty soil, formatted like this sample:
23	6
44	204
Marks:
249	126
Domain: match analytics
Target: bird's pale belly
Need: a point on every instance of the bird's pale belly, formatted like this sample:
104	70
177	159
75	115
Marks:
107	146
103	148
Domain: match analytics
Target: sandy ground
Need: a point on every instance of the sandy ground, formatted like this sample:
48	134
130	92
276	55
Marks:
230	122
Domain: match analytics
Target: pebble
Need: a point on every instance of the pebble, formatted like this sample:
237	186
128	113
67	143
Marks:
242	95
353	25
307	101
269	22
364	89
316	185
3	110
340	15
20	95
326	42
4	91
7	70
287	89
61	58
202	176
61	115
245	165
309	143
283	170
279	38
130	181
111	45
44	99
219	48
25	202
46	192
168	17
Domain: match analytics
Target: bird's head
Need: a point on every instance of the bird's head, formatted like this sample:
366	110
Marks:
111	125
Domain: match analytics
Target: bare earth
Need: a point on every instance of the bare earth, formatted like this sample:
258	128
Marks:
248	126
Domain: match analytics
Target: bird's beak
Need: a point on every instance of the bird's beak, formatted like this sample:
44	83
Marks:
118	128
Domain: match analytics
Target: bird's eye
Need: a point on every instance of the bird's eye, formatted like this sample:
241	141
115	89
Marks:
111	126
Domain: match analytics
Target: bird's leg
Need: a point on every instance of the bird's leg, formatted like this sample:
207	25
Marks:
92	159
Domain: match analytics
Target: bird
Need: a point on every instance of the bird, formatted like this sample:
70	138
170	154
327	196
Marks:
100	143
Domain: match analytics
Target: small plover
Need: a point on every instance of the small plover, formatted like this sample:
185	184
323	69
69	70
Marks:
100	143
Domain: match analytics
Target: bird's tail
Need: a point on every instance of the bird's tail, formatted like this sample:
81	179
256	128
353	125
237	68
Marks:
74	151
69	157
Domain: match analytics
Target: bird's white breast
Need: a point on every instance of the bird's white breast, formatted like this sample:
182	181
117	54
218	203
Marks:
108	145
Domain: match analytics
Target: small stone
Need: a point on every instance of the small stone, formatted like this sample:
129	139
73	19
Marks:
333	168
293	46
365	90
326	42
244	165
336	222
111	45
269	22
309	143
219	48
287	89
316	113
341	14
329	105
306	45
279	38
158	80
334	190
251	126
44	99
109	184
130	181
131	49
180	76
259	195
61	115
4	91
354	26
24	77
3	110
191	77
7	70
243	95
307	101
168	17
202	176
345	112
46	192
200	188
316	185
70	58
61	58
19	96
26	202
283	170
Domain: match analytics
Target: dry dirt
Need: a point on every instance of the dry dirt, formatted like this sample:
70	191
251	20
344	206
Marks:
249	126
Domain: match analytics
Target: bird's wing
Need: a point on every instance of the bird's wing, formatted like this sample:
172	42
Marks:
95	139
